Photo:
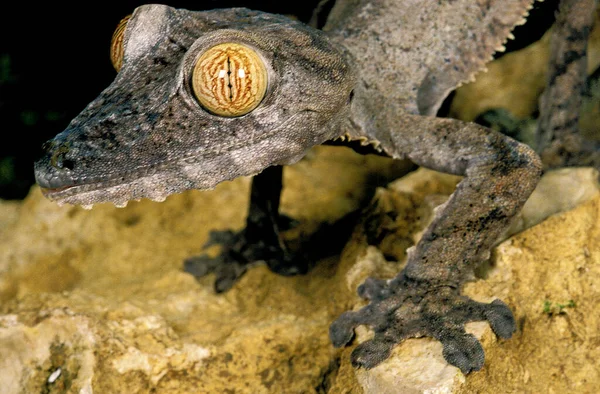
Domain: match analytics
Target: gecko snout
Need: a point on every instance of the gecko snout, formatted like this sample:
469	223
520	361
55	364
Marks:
54	167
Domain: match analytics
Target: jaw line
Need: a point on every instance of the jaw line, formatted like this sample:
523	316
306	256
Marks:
145	182
116	191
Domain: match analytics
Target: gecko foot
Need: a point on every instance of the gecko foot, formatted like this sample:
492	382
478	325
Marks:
401	309
241	251
244	249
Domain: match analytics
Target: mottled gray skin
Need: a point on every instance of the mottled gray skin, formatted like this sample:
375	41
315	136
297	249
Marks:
558	139
378	74
147	136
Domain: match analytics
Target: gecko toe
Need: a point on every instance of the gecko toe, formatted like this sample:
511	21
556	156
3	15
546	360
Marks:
501	319
373	289
240	251
219	238
371	353
463	351
288	264
227	271
227	277
341	330
203	265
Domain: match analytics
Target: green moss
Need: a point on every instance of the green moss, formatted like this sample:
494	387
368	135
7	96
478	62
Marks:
554	308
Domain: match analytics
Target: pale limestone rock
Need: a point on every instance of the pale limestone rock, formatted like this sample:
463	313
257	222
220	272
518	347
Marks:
554	294
558	191
30	353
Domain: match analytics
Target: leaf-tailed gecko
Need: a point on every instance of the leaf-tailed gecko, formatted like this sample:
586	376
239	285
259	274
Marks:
205	97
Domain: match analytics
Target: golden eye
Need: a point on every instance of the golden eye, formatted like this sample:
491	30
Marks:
116	44
229	79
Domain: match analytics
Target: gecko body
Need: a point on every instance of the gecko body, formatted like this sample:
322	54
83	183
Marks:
377	74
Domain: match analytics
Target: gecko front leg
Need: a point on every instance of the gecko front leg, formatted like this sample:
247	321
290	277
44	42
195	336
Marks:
424	299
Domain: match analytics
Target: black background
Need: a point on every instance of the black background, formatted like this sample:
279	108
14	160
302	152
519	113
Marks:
54	59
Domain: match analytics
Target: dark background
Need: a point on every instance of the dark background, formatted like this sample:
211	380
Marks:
54	59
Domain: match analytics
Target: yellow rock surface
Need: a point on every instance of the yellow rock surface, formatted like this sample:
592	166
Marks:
96	301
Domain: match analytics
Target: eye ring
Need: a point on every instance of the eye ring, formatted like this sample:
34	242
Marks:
229	79
116	44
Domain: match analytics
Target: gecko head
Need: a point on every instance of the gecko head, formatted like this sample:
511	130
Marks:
200	98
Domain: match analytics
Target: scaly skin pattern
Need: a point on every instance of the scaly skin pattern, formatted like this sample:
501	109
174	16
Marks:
377	74
558	139
147	136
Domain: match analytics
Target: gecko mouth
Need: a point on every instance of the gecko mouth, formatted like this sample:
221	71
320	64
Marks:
48	192
120	190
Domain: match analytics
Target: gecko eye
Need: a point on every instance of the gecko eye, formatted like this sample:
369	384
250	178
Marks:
116	44
229	79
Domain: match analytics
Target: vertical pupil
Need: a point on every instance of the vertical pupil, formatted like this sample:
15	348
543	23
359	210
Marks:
229	79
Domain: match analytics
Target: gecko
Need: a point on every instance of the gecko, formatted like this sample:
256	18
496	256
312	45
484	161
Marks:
203	97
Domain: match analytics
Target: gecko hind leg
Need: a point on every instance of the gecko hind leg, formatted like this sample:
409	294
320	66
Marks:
261	242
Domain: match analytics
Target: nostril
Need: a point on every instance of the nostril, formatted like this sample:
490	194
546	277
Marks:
350	96
68	164
59	158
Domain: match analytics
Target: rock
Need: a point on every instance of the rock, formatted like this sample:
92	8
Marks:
96	301
554	294
10	214
101	294
558	191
